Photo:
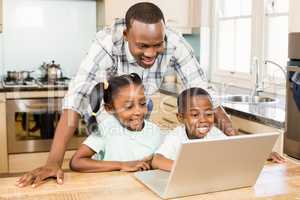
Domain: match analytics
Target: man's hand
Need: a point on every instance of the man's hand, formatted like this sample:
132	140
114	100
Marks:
132	166
276	158
38	176
224	123
230	131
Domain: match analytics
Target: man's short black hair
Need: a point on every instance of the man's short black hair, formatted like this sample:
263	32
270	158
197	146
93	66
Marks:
145	12
187	94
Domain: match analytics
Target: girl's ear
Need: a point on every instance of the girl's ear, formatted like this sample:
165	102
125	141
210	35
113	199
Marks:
179	117
109	108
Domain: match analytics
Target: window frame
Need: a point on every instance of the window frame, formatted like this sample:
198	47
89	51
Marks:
258	50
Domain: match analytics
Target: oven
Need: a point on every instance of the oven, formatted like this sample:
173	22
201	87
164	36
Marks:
31	125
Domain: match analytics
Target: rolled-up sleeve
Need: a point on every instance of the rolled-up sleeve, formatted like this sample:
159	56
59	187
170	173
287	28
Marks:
91	71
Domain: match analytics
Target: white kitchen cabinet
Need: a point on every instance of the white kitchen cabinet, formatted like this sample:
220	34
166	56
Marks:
294	14
3	136
164	111
182	15
25	162
1	15
252	127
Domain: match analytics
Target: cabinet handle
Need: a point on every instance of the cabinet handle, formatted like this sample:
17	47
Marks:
171	21
169	121
170	105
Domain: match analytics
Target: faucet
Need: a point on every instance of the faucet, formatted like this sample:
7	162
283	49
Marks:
276	64
258	88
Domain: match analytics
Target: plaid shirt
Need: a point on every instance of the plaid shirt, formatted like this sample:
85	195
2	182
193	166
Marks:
109	55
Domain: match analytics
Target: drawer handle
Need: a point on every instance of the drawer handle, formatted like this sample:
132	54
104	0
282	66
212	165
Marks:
169	121
170	105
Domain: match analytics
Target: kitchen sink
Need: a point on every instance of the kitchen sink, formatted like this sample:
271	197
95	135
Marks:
248	99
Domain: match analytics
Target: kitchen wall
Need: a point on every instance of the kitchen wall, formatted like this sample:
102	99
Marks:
194	41
43	30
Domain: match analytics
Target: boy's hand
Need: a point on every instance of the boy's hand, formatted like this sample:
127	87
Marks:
38	176
132	166
276	158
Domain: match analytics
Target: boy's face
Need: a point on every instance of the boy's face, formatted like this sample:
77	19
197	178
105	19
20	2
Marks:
129	106
198	116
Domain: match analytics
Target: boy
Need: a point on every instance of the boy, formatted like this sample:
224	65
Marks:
196	113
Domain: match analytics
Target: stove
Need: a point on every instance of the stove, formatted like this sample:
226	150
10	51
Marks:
31	82
10	83
49	83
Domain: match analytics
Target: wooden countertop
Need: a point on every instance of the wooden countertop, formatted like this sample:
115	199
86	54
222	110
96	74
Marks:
277	181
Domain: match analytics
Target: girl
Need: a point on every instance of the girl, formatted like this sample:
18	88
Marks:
124	140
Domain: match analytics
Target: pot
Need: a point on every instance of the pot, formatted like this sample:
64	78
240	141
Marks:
12	75
18	76
24	75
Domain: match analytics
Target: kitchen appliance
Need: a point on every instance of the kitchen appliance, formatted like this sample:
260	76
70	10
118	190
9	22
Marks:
30	82
18	75
31	124
292	135
52	71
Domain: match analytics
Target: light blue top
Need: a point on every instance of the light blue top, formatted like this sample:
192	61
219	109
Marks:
116	143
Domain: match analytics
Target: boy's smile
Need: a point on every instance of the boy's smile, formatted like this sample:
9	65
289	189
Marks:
198	116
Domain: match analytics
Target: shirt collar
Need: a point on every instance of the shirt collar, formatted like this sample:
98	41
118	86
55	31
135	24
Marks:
128	54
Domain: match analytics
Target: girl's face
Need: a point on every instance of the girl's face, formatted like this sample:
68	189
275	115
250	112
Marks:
198	116
129	106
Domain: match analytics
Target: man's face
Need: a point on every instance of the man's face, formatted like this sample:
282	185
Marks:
129	106
145	41
198	117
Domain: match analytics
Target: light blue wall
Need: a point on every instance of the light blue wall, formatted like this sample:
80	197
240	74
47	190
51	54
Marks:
194	41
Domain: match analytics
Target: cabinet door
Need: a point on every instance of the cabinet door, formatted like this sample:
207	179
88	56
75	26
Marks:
179	14
3	136
176	12
1	15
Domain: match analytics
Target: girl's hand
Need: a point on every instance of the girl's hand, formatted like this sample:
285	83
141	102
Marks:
276	158
132	166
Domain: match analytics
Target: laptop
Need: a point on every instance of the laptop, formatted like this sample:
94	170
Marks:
204	166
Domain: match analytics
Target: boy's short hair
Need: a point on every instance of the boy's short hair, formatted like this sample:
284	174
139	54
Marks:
188	93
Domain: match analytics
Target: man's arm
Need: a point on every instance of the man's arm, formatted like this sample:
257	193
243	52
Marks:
223	122
76	102
66	127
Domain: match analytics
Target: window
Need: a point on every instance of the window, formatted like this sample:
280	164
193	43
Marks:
247	29
276	34
234	35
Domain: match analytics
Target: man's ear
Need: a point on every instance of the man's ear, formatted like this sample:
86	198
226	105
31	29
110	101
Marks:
125	34
179	117
109	108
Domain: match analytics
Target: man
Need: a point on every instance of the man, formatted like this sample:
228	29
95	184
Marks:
141	44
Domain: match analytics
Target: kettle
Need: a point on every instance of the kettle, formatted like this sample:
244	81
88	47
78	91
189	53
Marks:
53	71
